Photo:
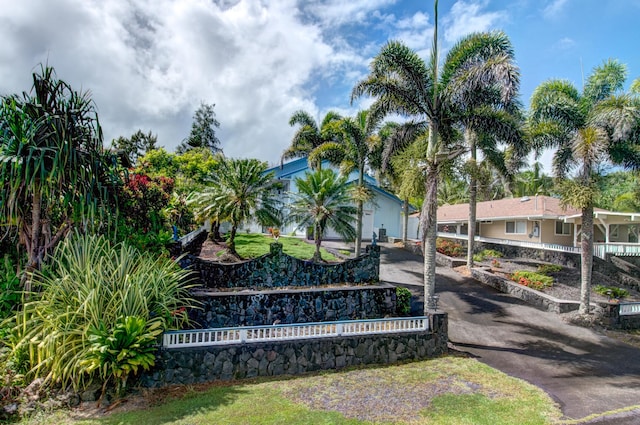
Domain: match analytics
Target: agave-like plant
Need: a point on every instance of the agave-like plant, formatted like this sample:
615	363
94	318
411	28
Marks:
91	288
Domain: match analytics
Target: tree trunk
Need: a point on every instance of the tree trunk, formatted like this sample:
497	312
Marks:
405	220
428	222
317	235
231	246
586	254
473	196
359	213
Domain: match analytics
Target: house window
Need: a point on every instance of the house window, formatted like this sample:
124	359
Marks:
518	227
613	231
563	228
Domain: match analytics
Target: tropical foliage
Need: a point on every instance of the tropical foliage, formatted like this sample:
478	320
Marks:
99	307
323	202
54	171
309	135
240	191
588	128
401	82
351	150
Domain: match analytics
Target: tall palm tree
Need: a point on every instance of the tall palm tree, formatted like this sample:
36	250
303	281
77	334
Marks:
54	171
310	135
323	202
240	191
350	150
600	124
401	82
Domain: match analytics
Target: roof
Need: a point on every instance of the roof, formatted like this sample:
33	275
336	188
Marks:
537	207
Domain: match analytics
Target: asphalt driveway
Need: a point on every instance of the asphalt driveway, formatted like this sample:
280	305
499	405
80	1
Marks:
585	372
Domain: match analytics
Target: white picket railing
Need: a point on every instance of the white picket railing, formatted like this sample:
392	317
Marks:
629	309
599	249
241	335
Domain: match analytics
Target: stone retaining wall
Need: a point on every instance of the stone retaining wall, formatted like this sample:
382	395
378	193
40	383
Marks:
277	269
530	296
255	308
194	365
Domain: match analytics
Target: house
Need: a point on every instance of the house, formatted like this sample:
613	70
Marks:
539	219
382	215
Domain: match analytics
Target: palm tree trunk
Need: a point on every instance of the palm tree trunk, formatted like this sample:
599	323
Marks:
231	246
405	221
359	214
586	254
428	222
317	235
473	196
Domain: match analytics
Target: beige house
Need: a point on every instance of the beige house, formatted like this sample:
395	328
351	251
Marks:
538	219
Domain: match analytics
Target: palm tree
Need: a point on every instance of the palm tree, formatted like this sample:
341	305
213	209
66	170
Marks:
350	150
240	191
54	171
401	82
309	135
533	182
600	124
323	202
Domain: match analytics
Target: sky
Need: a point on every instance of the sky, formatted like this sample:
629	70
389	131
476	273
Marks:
149	64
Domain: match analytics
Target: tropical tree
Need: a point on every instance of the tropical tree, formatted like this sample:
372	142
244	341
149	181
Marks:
135	146
323	202
240	191
350	150
401	82
599	124
309	135
203	131
533	182
54	171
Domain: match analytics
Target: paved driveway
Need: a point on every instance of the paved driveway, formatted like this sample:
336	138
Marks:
584	371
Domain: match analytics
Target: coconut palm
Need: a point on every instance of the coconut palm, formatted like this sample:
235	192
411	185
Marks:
309	135
598	125
240	190
350	150
401	82
323	202
53	168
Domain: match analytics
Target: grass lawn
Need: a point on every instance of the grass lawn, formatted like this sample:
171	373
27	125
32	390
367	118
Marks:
254	245
448	390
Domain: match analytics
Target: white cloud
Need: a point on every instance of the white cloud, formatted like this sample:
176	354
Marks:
468	16
150	64
564	43
553	8
338	12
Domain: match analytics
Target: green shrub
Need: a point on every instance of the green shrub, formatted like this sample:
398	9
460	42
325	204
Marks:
532	280
403	301
486	254
91	285
10	290
549	268
449	248
611	291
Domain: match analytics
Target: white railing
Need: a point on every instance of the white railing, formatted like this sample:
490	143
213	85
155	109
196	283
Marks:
599	249
241	335
629	309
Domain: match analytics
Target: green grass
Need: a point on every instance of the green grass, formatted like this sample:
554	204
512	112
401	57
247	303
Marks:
254	245
448	390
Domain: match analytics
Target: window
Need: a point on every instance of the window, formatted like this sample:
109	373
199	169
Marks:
563	228
518	227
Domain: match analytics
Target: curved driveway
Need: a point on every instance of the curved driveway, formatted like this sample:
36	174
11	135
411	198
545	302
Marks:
584	371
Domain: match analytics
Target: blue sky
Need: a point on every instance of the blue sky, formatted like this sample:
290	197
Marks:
149	63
